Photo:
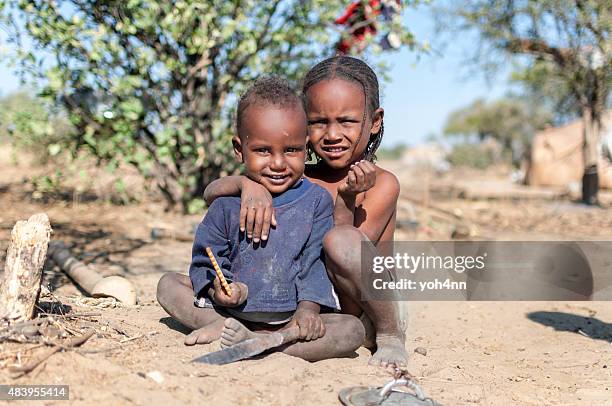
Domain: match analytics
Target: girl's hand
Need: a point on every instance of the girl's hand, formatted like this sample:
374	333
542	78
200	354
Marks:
308	319
256	210
240	292
361	177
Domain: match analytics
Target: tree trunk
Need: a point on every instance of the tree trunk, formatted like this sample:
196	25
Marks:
590	179
25	259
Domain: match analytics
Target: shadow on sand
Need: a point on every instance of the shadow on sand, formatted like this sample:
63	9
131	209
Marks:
175	325
590	326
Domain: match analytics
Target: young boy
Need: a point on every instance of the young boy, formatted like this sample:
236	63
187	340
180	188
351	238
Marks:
281	281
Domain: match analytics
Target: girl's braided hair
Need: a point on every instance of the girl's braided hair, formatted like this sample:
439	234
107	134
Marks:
356	71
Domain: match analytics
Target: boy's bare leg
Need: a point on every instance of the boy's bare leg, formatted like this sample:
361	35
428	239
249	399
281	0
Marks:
343	335
342	246
175	295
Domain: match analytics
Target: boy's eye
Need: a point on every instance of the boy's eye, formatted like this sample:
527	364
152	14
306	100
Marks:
262	150
294	149
317	122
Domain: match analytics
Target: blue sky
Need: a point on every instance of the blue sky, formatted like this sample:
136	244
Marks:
420	94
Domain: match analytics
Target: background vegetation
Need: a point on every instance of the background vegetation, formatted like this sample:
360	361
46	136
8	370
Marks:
154	83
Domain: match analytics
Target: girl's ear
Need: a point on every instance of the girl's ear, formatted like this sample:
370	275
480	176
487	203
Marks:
377	120
308	150
237	144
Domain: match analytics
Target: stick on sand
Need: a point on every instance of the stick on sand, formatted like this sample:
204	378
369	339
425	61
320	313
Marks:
224	283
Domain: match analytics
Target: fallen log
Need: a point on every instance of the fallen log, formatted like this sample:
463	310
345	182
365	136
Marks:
25	259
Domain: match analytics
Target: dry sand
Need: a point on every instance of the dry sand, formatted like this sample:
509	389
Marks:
485	353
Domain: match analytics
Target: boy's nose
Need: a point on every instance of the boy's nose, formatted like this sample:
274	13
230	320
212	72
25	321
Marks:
278	163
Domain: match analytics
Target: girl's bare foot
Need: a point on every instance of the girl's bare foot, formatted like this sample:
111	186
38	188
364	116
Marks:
206	334
390	351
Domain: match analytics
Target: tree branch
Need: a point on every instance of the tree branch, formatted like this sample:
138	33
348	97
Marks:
235	68
601	41
563	57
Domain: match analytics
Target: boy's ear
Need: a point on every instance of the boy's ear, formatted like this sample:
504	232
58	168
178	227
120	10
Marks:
377	120
237	144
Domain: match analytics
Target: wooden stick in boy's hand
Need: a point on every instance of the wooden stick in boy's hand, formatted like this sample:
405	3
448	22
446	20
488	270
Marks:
222	279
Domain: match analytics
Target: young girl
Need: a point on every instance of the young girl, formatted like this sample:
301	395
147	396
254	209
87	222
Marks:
345	125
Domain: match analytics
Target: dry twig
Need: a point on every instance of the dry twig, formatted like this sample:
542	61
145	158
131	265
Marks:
57	346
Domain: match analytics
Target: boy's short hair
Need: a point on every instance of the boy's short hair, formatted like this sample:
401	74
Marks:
267	90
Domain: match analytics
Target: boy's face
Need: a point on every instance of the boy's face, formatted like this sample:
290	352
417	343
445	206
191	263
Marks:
336	127
272	145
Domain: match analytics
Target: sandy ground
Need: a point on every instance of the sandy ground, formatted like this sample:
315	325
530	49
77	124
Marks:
478	353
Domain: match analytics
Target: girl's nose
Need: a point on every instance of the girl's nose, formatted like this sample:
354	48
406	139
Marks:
333	132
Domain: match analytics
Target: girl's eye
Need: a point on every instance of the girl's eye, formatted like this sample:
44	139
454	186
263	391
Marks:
293	150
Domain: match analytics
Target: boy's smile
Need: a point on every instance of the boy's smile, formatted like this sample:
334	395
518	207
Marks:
272	145
335	122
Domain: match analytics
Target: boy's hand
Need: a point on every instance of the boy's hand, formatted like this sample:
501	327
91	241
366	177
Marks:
239	294
361	177
256	210
308	319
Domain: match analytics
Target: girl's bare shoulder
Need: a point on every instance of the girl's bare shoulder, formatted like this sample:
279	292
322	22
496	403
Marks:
386	182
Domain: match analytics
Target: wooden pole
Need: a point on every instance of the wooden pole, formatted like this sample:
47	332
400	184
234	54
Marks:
88	279
25	259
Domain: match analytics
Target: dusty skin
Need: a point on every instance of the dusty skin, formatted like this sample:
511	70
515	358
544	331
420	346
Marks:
493	353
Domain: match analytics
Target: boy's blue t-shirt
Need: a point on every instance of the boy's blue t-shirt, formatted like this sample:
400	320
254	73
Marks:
287	269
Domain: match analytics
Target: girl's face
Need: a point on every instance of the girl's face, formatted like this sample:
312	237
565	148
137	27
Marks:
338	134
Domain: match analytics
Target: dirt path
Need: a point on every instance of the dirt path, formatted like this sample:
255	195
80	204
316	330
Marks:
487	353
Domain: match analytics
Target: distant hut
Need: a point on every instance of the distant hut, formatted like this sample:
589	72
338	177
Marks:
556	156
426	156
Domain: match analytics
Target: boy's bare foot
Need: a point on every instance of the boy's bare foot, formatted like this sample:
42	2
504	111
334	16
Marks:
390	351
235	332
206	334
